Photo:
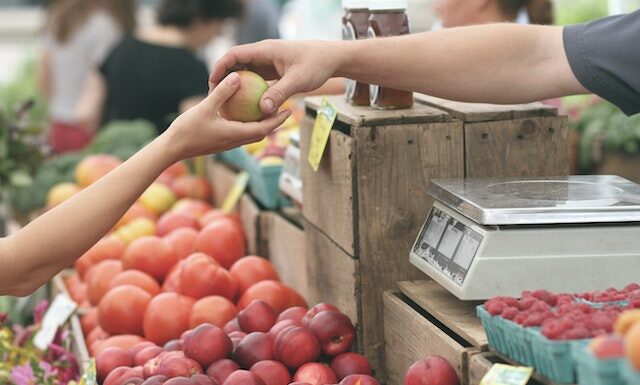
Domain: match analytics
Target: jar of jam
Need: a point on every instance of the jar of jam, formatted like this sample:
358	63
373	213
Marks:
355	24
388	18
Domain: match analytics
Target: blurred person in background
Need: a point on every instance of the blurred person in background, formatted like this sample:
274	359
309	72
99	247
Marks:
458	13
155	74
78	35
259	22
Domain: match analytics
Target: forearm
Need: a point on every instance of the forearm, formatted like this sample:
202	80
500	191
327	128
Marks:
54	240
498	63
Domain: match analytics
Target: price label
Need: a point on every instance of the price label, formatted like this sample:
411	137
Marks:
57	314
320	135
90	374
501	374
232	198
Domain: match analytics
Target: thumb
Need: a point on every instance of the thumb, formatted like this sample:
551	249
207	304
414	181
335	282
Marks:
277	94
224	90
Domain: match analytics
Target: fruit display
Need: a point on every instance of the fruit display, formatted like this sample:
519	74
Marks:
556	333
432	370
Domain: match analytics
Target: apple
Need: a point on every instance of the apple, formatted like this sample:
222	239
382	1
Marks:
253	348
111	358
143	356
295	313
243	377
350	363
334	330
282	325
207	344
220	370
272	372
244	105
315	310
155	380
120	374
179	367
315	373
232	326
433	370
257	317
202	379
359	379
296	346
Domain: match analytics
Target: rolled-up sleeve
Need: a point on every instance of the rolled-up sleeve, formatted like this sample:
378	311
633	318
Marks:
605	57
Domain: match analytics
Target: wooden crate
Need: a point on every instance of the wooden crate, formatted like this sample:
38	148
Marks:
367	201
286	250
510	140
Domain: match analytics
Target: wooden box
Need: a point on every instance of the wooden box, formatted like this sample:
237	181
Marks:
509	140
366	203
286	250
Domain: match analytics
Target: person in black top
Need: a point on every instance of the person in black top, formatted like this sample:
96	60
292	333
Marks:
154	74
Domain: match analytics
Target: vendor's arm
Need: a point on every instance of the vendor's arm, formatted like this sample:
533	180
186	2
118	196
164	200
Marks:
56	239
497	63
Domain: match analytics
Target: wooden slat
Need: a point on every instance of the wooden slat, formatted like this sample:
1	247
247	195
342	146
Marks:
332	273
457	315
222	179
287	252
410	337
328	193
479	366
517	148
394	167
479	112
250	216
366	116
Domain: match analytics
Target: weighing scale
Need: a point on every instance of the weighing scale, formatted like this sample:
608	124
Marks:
490	237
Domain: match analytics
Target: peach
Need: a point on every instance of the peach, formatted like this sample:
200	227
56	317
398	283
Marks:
350	363
254	347
207	344
202	379
191	186
232	326
155	380
295	313
146	354
315	373
315	310
335	332
136	211
272	372
121	374
243	377
179	381
626	320
236	337
178	367
359	379
169	222
173	346
257	317
60	193
158	198
431	370
296	346
137	228
632	345
140	346
133	381
94	167
220	370
111	358
244	105
214	309
281	326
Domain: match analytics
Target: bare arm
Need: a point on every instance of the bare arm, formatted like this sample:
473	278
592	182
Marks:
52	242
91	103
496	63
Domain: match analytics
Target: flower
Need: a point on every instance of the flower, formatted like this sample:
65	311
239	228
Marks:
23	375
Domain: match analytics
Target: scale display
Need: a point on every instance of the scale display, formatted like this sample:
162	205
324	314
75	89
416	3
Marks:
448	245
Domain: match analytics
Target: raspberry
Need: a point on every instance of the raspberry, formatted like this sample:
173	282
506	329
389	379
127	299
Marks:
534	319
510	313
495	308
527	302
542	295
577	333
540	307
631	287
519	319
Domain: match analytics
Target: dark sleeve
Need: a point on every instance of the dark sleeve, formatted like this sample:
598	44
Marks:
605	57
193	81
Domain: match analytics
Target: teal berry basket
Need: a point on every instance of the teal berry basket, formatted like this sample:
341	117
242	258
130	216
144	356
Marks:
554	359
600	305
591	370
519	342
493	327
264	184
236	157
629	374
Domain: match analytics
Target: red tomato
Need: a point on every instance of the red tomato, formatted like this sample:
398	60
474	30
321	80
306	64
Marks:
89	320
222	241
152	255
99	279
125	341
171	221
109	247
214	309
121	310
272	292
202	276
251	270
167	317
183	241
136	278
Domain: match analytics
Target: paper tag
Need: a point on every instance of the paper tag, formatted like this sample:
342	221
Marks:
57	314
321	129
501	374
232	198
89	376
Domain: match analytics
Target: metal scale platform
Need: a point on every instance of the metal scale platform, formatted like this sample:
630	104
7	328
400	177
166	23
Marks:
489	237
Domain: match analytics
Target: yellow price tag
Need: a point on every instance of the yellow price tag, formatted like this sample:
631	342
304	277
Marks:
320	135
89	377
501	374
232	198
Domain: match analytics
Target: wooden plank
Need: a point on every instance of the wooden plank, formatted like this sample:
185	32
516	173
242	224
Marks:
79	345
366	116
479	366
459	316
287	252
409	337
517	148
250	216
394	167
481	112
221	178
331	273
329	192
